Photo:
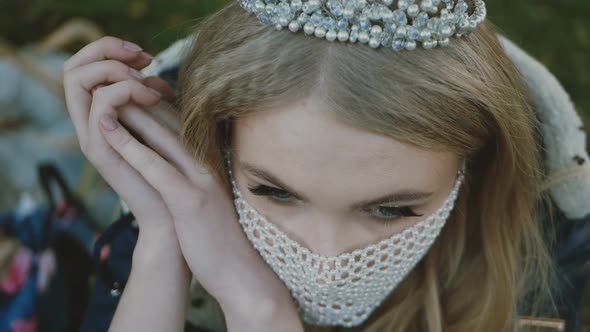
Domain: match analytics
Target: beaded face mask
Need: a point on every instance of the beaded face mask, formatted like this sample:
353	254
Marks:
345	289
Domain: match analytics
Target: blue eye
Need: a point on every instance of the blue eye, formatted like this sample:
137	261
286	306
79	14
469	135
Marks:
383	214
391	213
274	194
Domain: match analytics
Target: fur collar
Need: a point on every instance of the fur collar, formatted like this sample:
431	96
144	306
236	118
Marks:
567	159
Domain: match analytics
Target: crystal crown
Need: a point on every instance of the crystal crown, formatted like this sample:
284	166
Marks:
399	24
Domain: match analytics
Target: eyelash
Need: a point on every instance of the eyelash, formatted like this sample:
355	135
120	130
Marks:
271	193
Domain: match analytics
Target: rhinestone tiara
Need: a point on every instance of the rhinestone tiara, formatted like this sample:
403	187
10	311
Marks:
373	22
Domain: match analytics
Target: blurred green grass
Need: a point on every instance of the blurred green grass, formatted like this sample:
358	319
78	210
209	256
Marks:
555	32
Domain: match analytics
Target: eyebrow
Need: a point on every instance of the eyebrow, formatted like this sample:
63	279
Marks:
402	196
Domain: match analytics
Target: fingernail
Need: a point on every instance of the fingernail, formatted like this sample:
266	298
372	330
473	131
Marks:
147	55
156	92
137	74
131	46
107	122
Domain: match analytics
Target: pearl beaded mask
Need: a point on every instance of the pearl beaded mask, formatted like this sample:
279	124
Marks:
345	289
398	24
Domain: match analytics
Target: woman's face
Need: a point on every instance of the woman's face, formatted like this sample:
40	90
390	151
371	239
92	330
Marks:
330	186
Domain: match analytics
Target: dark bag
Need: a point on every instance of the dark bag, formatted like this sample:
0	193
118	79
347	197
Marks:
45	287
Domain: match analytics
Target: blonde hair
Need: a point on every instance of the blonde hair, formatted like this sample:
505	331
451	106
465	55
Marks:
467	98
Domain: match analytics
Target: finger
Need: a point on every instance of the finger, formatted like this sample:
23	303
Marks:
98	86
159	173
128	183
162	140
137	193
110	71
166	114
82	81
162	86
142	61
108	98
105	48
120	93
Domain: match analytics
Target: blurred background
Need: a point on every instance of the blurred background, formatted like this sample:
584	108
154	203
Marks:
555	32
36	36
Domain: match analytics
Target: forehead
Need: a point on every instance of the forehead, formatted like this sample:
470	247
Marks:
302	142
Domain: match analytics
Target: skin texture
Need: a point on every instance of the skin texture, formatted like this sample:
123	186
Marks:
334	165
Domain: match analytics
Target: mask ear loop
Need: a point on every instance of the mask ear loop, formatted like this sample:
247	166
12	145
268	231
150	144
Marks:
463	167
226	150
226	127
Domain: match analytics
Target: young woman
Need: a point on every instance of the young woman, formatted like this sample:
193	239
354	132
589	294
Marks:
317	185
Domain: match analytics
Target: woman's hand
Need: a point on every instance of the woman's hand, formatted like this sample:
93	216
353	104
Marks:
168	188
89	78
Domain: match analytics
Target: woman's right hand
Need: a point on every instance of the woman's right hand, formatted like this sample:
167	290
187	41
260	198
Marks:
111	63
104	76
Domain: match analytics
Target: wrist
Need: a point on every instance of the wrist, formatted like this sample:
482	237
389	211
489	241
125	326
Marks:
155	253
155	296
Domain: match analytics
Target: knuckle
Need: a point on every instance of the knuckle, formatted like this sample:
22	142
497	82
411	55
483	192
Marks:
184	201
90	150
207	181
151	161
67	79
110	41
199	201
151	165
196	196
83	144
68	64
133	85
124	141
116	65
93	157
116	71
117	160
65	68
100	92
72	77
83	147
125	70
